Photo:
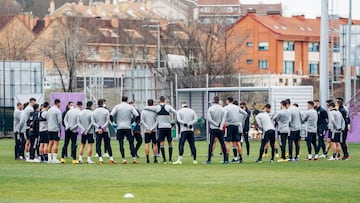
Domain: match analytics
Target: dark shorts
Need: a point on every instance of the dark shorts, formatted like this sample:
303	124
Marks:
150	137
88	137
27	134
335	137
232	134
165	133
295	135
44	137
54	136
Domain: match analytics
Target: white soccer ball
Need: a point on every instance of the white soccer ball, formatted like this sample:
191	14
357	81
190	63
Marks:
128	195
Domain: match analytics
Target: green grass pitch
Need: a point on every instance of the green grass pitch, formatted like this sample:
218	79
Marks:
303	181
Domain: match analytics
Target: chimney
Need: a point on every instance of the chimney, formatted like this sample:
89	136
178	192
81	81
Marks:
33	22
115	21
148	5
299	17
47	21
52	7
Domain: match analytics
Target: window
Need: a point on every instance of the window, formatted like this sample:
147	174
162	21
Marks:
314	47
230	21
230	9
289	67
336	47
249	44
338	69
289	46
263	46
313	68
249	61
263	64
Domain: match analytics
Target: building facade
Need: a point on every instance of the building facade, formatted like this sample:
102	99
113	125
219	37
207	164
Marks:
281	45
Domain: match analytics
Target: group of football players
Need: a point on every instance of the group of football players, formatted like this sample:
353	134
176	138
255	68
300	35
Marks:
38	128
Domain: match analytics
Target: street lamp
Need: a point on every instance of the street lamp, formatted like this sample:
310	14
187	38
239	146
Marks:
157	26
4	88
158	41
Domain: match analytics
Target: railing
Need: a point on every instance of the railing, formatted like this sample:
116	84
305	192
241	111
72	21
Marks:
354	104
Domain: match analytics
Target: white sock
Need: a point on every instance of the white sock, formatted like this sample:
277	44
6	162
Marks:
100	159
54	156
27	155
309	156
111	158
49	157
89	158
80	158
180	158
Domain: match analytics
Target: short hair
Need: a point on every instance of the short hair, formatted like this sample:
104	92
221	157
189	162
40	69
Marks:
288	101
184	104
295	104
57	101
150	102
256	112
230	99
235	102
267	106
89	104
100	102
311	103
19	104
70	102
36	106
32	99
243	103
124	98
332	104
316	100
340	99
162	99
79	103
284	102
45	104
131	103
216	99
329	101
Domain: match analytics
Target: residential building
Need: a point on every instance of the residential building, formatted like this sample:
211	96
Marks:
279	45
172	10
16	35
212	10
231	10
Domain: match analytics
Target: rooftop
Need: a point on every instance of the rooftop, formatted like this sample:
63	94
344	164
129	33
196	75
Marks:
218	2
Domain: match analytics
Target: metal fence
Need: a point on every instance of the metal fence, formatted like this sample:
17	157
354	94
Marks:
16	78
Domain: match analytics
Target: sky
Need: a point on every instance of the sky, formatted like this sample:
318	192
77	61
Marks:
312	8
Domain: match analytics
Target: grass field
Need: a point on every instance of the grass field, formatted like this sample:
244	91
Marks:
303	181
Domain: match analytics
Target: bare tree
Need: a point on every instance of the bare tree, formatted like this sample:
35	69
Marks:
63	48
211	49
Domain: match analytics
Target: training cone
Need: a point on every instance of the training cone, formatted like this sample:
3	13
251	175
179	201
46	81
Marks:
128	195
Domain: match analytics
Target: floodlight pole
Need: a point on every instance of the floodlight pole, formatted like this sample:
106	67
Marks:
348	59
4	88
324	53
